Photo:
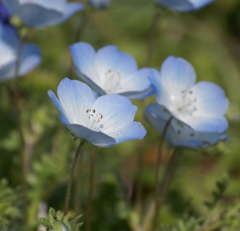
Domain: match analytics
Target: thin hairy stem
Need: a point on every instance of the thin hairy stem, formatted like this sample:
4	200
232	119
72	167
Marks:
157	175
90	191
77	199
69	186
18	116
140	169
166	180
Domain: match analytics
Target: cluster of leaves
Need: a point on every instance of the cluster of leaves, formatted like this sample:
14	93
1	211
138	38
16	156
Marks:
10	207
58	222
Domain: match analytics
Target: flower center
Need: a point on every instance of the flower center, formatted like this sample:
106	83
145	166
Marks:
94	119
188	103
112	83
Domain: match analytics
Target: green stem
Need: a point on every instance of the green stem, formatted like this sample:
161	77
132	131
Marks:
78	187
153	28
157	175
18	113
90	192
69	186
166	180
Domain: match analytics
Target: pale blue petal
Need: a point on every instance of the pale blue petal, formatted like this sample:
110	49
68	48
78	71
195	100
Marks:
8	36
137	85
117	112
202	140
30	58
69	9
208	124
184	5
177	74
131	131
7	71
210	99
29	14
56	102
51	12
83	55
97	138
75	97
110	58
157	115
178	133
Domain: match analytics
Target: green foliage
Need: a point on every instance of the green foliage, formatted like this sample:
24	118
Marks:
221	186
57	222
191	224
10	201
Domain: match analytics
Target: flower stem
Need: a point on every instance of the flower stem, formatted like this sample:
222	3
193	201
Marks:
77	198
166	180
18	112
157	176
152	30
69	186
90	192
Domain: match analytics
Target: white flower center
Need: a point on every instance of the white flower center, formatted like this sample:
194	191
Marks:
94	119
186	105
112	83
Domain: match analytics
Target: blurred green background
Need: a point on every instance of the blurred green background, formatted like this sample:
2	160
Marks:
208	38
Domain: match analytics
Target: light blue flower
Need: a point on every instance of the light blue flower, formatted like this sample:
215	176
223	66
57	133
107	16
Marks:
201	106
178	133
184	5
110	71
105	121
99	3
42	13
9	48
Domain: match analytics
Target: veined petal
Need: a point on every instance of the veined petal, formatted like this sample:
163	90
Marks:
75	97
137	81
202	140
83	55
114	115
178	133
58	105
211	99
110	58
208	124
131	131
176	75
97	138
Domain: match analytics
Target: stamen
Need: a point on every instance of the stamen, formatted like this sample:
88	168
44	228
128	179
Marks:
188	101
112	83
94	119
